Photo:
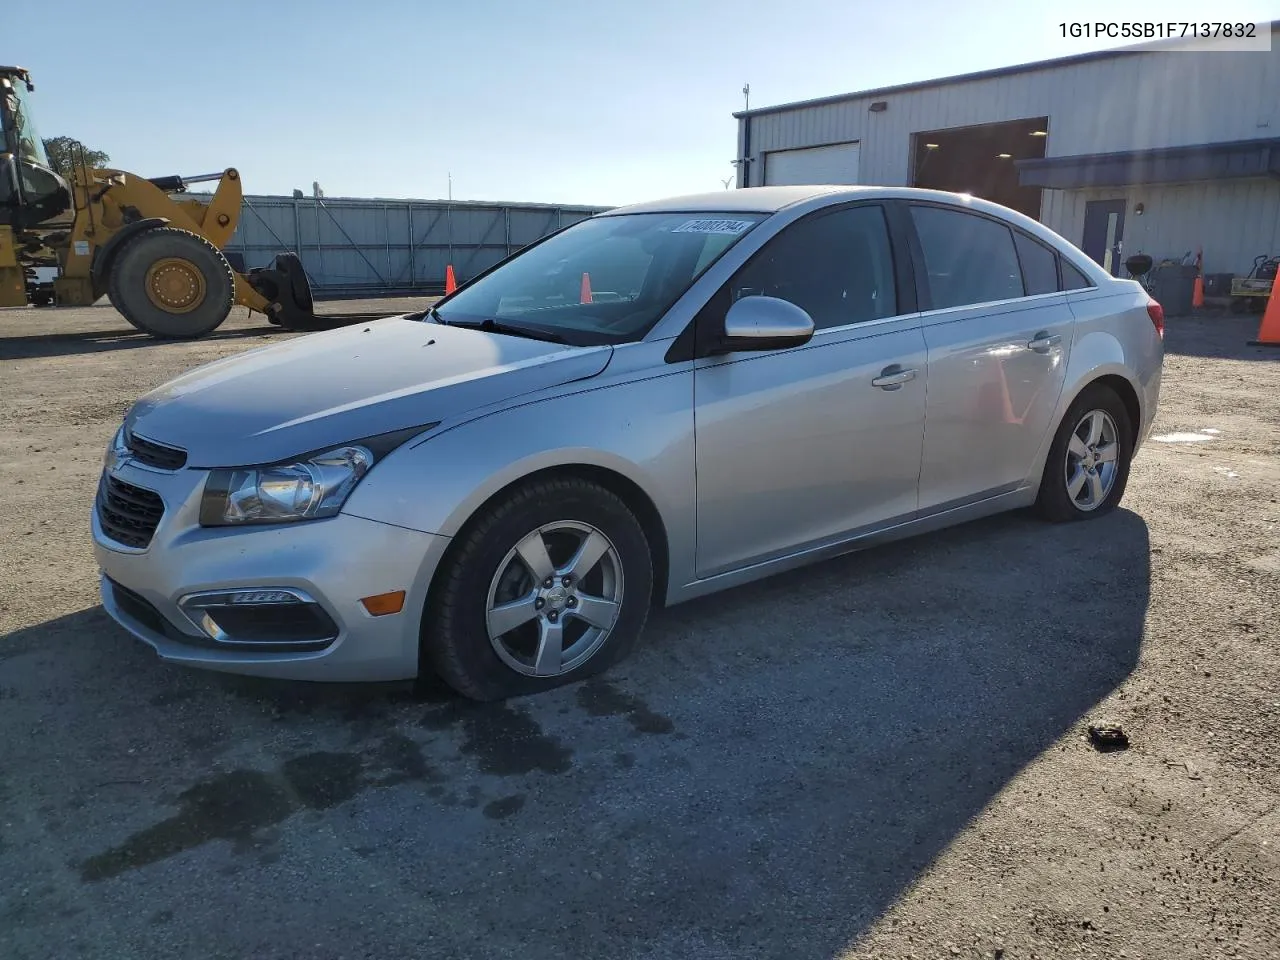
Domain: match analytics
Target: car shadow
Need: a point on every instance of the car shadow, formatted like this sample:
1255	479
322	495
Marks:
773	768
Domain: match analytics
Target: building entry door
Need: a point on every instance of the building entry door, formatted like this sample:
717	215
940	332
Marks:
1104	233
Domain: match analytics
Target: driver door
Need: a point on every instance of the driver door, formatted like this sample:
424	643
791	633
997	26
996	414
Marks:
800	447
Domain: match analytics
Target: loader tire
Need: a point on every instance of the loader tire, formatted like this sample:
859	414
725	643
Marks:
172	284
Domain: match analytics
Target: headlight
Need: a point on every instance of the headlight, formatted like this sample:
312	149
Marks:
115	450
311	488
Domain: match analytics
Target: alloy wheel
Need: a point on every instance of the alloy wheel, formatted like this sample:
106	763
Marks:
1092	460
554	599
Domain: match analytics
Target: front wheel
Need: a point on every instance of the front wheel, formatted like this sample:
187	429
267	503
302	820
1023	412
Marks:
1088	465
172	284
548	586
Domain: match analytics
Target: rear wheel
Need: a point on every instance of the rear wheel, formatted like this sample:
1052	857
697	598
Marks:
172	284
549	586
1088	465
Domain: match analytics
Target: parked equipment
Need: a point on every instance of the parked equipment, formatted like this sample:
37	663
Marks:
1251	292
159	259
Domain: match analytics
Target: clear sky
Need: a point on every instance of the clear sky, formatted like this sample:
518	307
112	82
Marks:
561	101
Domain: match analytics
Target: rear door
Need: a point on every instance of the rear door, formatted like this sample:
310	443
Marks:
802	446
997	330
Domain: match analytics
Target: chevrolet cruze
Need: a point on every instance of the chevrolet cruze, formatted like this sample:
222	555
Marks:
659	402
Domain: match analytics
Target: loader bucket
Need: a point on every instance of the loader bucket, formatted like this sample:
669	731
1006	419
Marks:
286	286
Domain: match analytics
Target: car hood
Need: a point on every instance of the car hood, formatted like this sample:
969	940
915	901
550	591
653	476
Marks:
348	384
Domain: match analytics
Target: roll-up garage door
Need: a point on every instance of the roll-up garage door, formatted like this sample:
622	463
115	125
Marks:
835	163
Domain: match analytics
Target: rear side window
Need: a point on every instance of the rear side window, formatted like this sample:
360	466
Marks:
1039	265
1073	279
969	259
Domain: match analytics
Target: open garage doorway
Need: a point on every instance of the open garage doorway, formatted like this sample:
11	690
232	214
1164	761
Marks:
980	160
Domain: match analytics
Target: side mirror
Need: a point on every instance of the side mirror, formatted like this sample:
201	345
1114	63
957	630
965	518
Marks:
764	323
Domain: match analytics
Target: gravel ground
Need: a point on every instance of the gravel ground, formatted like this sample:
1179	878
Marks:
880	756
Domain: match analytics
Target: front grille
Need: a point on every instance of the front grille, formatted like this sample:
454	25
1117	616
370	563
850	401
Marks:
129	515
154	454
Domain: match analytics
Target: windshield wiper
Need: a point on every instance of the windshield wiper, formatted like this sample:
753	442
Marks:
497	326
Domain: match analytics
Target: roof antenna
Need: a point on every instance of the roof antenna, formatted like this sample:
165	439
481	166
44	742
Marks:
746	96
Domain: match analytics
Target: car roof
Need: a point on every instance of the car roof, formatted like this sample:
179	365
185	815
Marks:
810	197
746	200
774	199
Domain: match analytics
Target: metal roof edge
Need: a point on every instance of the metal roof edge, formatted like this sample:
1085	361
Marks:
473	204
1039	163
1153	47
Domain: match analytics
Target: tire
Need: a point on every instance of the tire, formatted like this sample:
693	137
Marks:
115	306
482	570
197	305
1097	407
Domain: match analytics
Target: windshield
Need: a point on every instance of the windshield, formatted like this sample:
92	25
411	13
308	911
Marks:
604	280
16	119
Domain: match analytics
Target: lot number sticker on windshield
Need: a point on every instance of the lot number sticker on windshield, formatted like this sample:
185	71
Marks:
732	227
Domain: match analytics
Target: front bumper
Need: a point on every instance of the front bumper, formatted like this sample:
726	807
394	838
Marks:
336	562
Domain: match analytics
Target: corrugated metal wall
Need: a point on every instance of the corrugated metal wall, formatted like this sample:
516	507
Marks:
1233	221
353	246
1127	102
1131	102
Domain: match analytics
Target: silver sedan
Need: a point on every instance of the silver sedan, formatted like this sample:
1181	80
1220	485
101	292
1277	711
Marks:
659	402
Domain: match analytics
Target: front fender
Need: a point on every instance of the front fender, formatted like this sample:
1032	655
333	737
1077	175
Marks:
640	429
104	257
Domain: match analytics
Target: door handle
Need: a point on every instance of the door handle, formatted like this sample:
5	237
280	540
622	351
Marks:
893	377
1044	342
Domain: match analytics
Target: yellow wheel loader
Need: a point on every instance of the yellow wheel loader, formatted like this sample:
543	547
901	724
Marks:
158	259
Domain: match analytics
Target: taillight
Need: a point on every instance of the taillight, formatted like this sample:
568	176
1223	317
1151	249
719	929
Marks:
1156	313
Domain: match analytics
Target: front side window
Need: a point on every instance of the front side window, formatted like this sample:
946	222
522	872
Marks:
969	259
29	145
837	266
608	279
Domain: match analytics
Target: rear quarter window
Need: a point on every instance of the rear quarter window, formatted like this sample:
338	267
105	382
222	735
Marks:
1039	265
1073	279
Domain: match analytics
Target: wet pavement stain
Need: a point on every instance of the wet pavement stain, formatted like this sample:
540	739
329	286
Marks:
600	698
403	760
504	741
323	780
501	809
233	806
507	742
227	807
447	716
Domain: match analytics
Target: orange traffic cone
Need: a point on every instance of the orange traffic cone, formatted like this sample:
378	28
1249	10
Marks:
1269	330
1197	289
585	296
450	282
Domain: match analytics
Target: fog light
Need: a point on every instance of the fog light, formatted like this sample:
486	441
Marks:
272	618
384	603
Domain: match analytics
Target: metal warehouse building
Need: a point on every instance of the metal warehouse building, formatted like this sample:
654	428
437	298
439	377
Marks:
1139	150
